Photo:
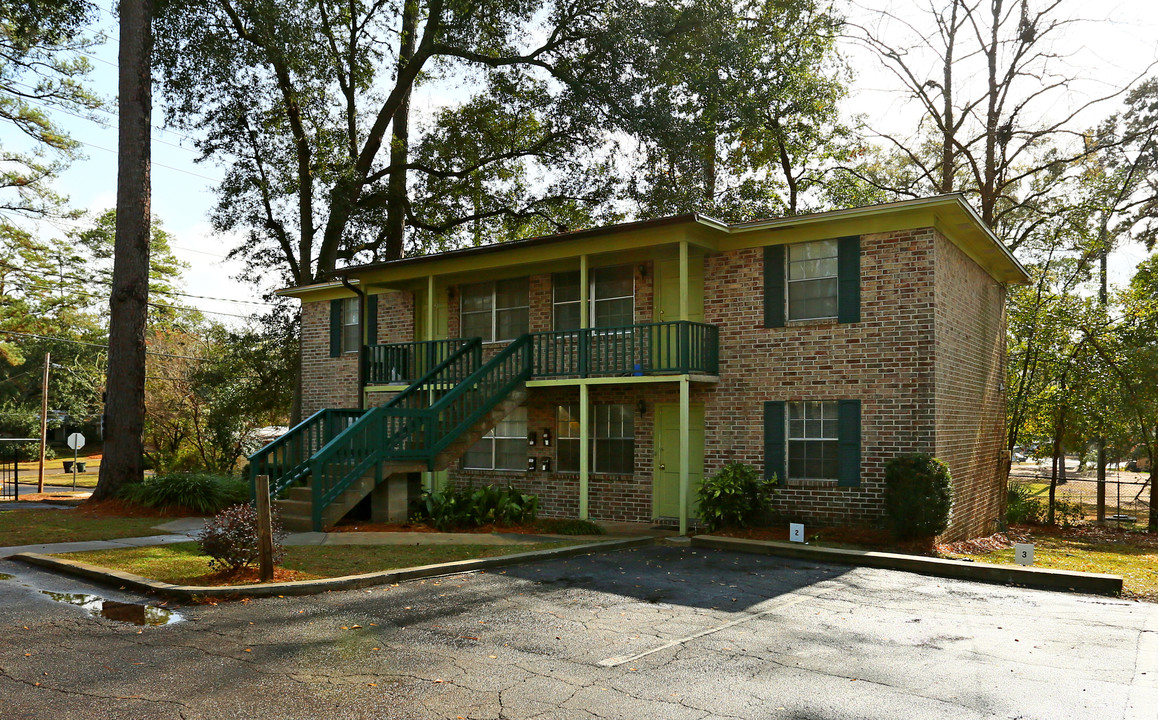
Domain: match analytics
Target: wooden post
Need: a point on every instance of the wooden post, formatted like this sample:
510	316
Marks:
264	529
43	421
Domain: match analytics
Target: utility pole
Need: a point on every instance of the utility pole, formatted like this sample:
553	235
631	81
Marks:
1103	297
43	421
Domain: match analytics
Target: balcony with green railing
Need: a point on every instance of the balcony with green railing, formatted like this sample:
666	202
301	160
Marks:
665	348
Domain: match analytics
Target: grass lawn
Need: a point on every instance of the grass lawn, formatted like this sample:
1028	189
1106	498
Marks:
32	527
1134	556
183	564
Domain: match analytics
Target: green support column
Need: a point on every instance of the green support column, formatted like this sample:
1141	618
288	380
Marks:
685	451
584	448
684	309
428	477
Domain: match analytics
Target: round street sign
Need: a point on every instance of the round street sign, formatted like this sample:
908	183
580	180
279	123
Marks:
76	441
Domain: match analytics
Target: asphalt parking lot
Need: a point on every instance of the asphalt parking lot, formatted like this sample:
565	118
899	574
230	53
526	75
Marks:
662	632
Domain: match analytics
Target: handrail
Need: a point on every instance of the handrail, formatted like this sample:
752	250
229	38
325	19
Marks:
392	432
402	362
286	459
470	352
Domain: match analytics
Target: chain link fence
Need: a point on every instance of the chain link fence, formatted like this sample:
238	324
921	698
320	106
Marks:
1127	493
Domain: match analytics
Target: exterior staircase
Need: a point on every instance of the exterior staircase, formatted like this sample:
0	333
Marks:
326	465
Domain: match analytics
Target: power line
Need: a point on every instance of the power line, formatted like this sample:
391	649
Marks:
151	290
161	306
156	164
98	345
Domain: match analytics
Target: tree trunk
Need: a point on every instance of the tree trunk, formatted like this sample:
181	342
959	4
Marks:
125	386
399	151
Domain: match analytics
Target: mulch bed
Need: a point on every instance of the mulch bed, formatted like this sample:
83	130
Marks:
247	576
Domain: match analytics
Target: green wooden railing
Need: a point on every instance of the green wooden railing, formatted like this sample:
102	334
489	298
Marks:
403	363
404	430
667	347
287	459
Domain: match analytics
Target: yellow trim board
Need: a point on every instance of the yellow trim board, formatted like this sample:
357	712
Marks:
623	380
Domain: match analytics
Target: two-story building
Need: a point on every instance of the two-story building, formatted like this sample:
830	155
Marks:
609	370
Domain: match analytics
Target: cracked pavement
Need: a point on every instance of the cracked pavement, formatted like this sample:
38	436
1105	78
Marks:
660	632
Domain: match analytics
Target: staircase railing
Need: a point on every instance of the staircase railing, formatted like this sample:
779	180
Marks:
399	431
287	459
407	361
678	346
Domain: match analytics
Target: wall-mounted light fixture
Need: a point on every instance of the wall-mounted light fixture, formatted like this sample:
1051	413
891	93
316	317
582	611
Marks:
643	270
642	406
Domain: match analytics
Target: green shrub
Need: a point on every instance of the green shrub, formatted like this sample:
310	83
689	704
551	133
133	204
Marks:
199	492
229	538
557	526
1024	508
918	496
453	508
734	497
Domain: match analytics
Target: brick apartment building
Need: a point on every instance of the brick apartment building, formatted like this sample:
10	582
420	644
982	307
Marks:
610	370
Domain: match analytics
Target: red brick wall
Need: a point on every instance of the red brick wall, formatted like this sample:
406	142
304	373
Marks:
885	360
970	370
326	382
395	317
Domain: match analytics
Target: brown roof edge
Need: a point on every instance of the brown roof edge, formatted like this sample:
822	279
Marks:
529	242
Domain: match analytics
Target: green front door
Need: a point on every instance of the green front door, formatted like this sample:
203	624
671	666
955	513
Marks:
666	482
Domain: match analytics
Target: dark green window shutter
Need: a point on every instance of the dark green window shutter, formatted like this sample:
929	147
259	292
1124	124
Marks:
335	328
775	440
774	286
848	279
371	319
848	447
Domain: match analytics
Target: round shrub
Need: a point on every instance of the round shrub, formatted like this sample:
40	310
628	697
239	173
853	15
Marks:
918	496
734	497
229	538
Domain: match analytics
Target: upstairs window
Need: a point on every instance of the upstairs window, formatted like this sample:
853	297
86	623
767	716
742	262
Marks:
812	280
612	294
351	335
496	311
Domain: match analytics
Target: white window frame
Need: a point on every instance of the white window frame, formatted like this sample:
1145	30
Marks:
789	282
492	437
494	308
809	426
351	308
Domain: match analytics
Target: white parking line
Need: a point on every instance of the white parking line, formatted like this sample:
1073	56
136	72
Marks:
782	602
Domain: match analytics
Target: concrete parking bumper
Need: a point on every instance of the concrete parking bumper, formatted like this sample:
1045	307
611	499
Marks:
1042	578
310	587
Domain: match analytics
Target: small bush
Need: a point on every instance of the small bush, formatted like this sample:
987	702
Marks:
918	496
1024	508
199	492
453	508
569	527
229	538
734	497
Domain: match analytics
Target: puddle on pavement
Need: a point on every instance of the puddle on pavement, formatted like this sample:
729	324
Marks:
113	610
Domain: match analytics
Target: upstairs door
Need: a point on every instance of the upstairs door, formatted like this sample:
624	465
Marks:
665	350
666	478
